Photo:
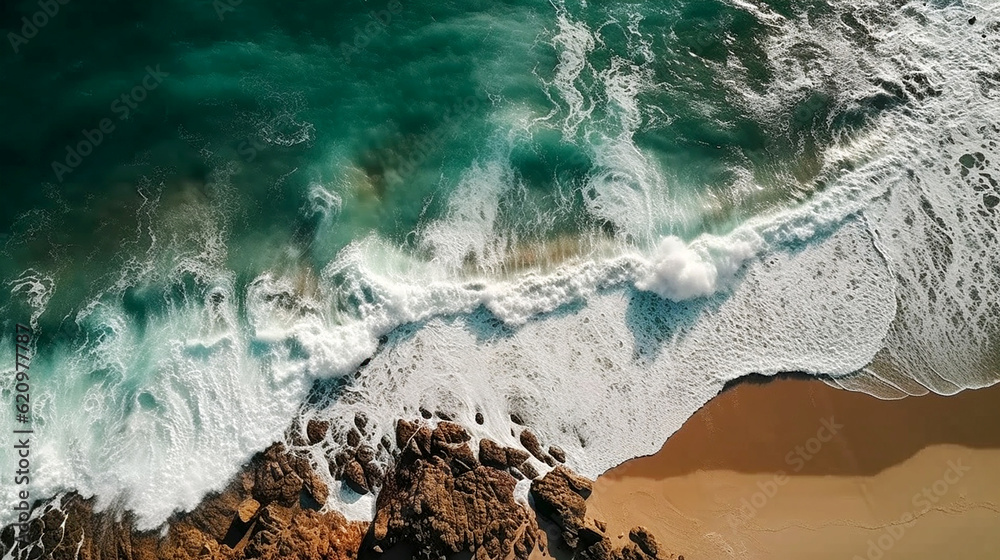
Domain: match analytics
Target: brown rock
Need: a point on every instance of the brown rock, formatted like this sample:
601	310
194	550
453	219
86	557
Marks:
354	477
297	534
316	431
404	431
316	488
602	550
431	505
557	453
529	470
435	511
353	437
590	541
423	440
645	540
365	454
530	442
449	432
492	455
248	508
516	456
294	434
411	452
342	458
231	525
276	480
560	496
373	474
462	459
361	421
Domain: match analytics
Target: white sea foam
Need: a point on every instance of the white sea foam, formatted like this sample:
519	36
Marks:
680	272
36	289
470	226
928	172
613	379
574	42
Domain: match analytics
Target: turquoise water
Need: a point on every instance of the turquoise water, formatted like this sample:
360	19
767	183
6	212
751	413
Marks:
277	187
269	90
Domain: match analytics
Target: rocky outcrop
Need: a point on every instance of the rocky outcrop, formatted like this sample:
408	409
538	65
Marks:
531	443
294	533
259	515
440	500
509	459
560	496
358	464
67	524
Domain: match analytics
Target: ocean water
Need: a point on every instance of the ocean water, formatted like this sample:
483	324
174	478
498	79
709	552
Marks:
219	215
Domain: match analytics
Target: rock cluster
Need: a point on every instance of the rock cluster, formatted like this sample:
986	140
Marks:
531	443
355	463
263	513
560	496
440	500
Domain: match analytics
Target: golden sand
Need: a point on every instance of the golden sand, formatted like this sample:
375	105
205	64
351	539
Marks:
799	470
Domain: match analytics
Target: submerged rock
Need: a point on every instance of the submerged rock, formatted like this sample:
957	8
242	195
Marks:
557	453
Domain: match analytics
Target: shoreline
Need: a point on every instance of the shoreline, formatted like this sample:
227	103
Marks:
792	468
771	467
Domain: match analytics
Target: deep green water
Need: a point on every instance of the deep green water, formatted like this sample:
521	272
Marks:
276	99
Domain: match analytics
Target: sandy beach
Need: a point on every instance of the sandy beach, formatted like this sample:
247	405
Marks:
794	469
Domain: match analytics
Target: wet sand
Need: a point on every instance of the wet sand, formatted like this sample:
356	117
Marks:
794	469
